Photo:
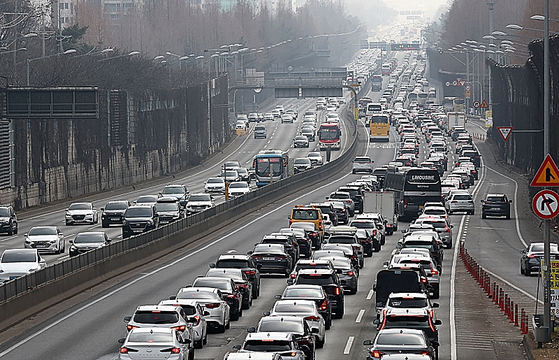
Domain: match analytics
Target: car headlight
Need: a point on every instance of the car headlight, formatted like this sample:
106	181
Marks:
73	248
150	222
27	241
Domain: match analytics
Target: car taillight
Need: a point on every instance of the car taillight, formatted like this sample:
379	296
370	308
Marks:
531	256
250	272
423	280
179	328
295	243
431	313
123	350
337	291
130	327
375	232
367	241
312	318
323	306
241	286
446	229
454	201
388	225
314	233
293	276
198	318
376	354
431	325
176	350
405	202
434	271
281	257
290	221
256	257
289	354
350	273
212	305
230	296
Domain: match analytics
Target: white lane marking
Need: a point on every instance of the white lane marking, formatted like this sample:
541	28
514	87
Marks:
132	282
452	296
348	345
370	294
360	316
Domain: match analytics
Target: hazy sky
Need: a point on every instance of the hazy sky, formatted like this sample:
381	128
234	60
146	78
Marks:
429	6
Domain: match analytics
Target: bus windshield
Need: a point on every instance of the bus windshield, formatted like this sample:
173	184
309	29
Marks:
329	133
266	165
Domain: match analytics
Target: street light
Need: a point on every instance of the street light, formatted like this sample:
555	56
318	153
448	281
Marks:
13	51
132	53
519	27
69	51
542	18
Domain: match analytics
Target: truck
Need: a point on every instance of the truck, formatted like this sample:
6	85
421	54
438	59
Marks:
377	83
383	203
456	119
395	281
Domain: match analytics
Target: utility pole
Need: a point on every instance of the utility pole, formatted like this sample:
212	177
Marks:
490	95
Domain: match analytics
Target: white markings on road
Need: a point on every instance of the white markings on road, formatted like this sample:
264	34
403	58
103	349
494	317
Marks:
360	316
370	294
348	345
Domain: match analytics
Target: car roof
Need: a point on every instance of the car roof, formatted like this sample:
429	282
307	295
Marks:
414	295
234	256
156	307
269	335
178	302
407	312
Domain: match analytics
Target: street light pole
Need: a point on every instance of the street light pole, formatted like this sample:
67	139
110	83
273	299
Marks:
69	51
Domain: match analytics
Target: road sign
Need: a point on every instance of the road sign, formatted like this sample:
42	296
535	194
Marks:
475	104
547	175
468	94
546	204
468	88
504	131
484	105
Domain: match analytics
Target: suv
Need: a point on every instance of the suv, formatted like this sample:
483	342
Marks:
460	200
139	219
308	214
113	212
327	208
411	319
8	220
244	262
328	279
260	132
289	242
356	194
199	202
495	205
284	343
362	163
177	191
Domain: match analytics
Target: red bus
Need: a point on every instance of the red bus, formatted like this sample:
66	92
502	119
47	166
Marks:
329	136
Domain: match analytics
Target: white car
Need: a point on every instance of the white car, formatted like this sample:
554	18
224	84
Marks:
215	185
238	188
211	300
19	262
315	157
199	202
460	200
45	239
195	313
81	213
144	342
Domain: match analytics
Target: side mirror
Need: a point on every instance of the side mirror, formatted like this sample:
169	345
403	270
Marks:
251	329
237	347
266	313
289	281
438	322
435	305
374	287
376	321
277	297
127	319
206	313
435	343
173	297
452	226
102	209
367	342
121	341
510	201
212	265
185	341
192	320
483	201
71	241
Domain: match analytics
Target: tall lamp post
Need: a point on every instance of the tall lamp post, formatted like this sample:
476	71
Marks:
69	51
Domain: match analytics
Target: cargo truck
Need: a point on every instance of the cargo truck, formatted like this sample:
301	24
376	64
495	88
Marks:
456	119
377	83
383	203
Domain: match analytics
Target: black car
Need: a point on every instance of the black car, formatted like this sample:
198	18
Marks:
139	219
371	227
289	242
328	208
310	292
341	212
311	231
272	258
532	256
241	281
243	262
398	341
332	285
8	220
303	240
87	241
113	212
231	293
366	239
495	205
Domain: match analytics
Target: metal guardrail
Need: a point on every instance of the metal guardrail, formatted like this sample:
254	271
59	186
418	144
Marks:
29	283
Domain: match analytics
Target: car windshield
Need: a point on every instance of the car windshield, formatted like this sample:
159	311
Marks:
80	207
267	345
146	199
199	197
213	283
462	197
304	161
170	206
307	214
156	317
303	293
37	231
89	238
232	263
19	256
539	248
215	181
173	190
138	212
116	206
413	303
399	339
150	337
281	326
4	212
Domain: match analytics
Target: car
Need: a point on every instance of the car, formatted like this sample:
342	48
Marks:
330	282
177	191
87	241
348	274
45	239
428	264
305	309
398	341
346	235
418	300
238	188
195	314
362	164
211	299
276	113
241	281
168	209
532	256
310	292
243	262
309	133
303	240
286	118
315	158
441	226
302	164
272	258
19	262
327	208
371	226
341	211
276	342
244	174
81	213
253	117
344	197
460	200
215	185
300	141
231	165
113	212
8	220
495	205
347	250
269	116
308	214
143	342
229	290
292	324
356	194
139	219
199	202
288	240
424	242
146	200
230	175
260	132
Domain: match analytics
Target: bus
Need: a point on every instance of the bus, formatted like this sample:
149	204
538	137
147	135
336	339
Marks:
270	166
386	69
372	108
379	128
412	187
329	136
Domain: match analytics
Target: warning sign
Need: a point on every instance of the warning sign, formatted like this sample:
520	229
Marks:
484	105
547	175
504	131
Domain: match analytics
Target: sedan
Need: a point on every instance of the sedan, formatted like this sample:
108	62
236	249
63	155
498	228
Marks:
532	256
146	200
45	239
240	279
300	141
310	292
302	164
229	292
315	157
394	341
238	188
87	241
215	185
272	258
81	213
211	299
19	262
144	342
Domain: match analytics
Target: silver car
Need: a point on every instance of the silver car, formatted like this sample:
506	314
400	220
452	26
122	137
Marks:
460	200
276	342
155	343
199	202
195	313
211	300
81	213
45	239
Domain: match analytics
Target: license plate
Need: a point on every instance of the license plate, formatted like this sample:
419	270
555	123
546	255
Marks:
495	209
115	219
13	277
138	230
269	258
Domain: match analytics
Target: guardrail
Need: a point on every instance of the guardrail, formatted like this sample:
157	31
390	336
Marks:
27	295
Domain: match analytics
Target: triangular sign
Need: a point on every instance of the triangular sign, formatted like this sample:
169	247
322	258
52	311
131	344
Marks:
547	175
484	105
504	131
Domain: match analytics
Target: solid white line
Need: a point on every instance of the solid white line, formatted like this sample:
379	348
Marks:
370	294
360	316
132	282
348	345
452	296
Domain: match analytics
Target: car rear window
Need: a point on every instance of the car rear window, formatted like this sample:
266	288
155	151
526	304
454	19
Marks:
233	263
462	197
150	337
315	279
307	214
413	303
294	307
156	317
495	199
399	339
303	293
268	345
281	326
405	321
